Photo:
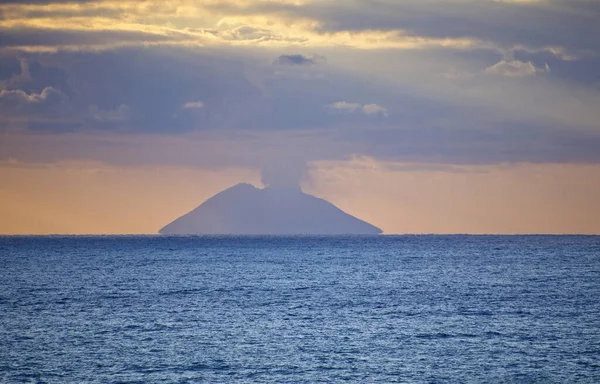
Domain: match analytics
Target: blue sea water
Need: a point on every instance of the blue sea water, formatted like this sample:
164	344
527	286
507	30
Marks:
406	309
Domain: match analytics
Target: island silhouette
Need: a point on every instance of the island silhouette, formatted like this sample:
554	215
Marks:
275	210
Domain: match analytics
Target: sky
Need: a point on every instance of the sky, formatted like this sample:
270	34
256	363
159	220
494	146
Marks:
418	116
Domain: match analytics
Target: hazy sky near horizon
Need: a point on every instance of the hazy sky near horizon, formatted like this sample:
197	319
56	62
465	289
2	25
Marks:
436	116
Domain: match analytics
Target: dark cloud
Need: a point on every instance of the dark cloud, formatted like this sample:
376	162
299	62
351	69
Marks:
511	142
49	110
46	12
152	87
298	59
507	24
9	67
156	85
52	37
528	92
583	71
145	91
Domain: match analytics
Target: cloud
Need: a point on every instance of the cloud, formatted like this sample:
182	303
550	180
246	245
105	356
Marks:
381	103
154	83
374	109
410	24
193	105
515	68
52	37
367	109
500	24
299	60
344	106
285	172
582	71
19	96
17	78
248	33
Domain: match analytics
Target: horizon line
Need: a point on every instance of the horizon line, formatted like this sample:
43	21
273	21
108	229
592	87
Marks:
288	235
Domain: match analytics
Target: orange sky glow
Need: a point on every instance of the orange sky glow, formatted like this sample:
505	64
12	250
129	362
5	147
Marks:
85	198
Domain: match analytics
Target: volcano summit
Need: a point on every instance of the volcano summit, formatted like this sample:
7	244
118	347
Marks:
245	209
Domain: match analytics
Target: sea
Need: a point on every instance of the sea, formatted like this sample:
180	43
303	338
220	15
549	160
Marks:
300	309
